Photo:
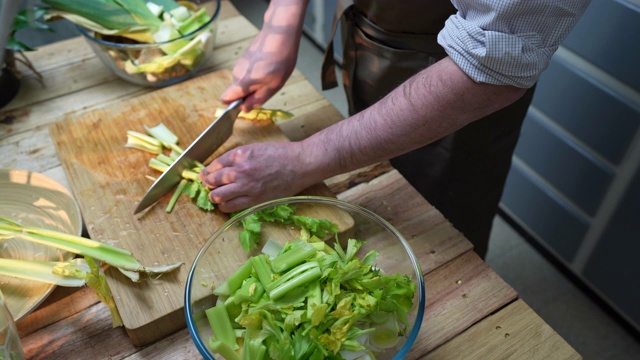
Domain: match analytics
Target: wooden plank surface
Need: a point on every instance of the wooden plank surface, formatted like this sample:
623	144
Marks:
515	332
466	300
108	179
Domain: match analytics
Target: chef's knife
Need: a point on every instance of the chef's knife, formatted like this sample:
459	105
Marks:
205	145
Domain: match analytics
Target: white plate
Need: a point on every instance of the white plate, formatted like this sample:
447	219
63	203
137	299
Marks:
33	199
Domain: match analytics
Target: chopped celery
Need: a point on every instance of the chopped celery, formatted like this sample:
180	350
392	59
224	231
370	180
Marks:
296	254
221	325
175	196
314	306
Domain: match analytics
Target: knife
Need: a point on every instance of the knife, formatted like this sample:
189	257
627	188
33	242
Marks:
205	145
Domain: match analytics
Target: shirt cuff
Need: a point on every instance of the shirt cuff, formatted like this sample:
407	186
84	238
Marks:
494	57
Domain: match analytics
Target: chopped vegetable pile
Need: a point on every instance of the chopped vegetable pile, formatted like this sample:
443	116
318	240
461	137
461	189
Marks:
140	21
162	142
308	300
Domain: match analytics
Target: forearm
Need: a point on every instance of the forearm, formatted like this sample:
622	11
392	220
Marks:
271	57
432	104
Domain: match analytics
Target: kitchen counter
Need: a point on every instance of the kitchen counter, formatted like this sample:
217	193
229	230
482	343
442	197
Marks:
471	313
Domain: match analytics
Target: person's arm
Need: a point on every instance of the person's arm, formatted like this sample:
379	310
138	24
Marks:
430	105
435	102
270	59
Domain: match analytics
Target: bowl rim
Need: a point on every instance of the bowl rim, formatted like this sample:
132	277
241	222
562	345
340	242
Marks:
411	338
87	34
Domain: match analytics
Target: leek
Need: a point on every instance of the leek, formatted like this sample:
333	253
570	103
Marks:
73	273
114	256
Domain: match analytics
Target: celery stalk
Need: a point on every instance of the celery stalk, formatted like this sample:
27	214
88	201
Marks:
300	280
176	195
298	253
221	323
262	269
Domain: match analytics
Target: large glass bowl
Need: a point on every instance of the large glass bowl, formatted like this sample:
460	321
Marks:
124	56
222	255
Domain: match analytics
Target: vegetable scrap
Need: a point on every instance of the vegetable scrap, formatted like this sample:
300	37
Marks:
143	22
76	272
162	142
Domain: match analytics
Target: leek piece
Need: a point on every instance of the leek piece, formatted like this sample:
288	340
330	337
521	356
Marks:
155	9
114	256
41	271
180	13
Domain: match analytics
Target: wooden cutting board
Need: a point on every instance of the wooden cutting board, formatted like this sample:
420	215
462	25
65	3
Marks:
108	179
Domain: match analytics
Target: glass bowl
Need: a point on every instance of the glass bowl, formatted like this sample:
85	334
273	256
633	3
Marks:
148	64
223	257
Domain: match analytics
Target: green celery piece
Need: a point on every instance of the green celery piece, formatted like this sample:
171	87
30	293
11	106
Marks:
156	164
223	349
203	201
262	269
143	142
176	195
250	291
253	350
164	159
221	324
292	274
314	299
234	282
298	253
303	279
321	228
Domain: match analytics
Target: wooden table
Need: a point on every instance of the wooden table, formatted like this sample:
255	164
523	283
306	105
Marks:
471	313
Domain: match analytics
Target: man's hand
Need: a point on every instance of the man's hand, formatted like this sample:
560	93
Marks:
251	174
270	59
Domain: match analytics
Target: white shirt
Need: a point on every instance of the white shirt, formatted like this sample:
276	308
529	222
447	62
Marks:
508	42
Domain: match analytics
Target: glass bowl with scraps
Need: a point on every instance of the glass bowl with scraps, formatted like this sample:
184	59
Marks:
305	277
150	43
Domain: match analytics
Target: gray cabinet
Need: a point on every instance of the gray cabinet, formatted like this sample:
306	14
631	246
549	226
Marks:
575	180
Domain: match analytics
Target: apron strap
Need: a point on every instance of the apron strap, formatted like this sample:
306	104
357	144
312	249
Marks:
328	76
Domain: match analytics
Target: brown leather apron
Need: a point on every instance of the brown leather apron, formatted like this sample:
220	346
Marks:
463	174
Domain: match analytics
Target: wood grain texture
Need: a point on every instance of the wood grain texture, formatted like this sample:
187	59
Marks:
459	294
514	332
108	180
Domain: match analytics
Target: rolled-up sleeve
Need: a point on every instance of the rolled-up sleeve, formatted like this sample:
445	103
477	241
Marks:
506	42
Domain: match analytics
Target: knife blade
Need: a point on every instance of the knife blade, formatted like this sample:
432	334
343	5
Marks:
200	149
